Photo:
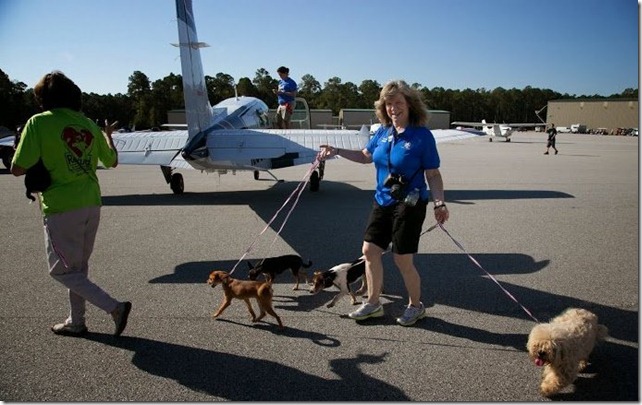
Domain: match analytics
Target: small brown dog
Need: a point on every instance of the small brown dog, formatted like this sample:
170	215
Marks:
563	347
244	290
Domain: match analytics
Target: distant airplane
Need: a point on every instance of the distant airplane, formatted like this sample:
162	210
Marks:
497	130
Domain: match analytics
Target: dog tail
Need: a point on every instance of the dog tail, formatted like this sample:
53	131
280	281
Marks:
602	332
307	265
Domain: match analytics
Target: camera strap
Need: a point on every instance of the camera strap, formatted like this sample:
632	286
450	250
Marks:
394	134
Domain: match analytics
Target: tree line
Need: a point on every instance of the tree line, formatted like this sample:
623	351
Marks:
146	103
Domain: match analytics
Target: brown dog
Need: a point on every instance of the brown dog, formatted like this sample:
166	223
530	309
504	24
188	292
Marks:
563	346
244	290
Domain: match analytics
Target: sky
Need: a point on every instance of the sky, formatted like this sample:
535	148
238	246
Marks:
575	47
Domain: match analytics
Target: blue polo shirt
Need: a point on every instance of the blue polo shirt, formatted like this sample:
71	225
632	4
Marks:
412	152
288	85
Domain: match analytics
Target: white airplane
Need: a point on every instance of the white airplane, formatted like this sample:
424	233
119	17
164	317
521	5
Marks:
235	134
497	130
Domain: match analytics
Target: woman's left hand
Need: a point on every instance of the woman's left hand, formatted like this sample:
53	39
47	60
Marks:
442	214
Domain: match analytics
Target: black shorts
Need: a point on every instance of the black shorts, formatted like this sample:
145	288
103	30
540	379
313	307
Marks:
398	224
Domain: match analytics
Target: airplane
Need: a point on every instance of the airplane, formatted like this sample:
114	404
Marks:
497	130
235	134
6	150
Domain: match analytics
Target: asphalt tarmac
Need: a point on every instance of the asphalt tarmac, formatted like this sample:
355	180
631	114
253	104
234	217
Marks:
554	231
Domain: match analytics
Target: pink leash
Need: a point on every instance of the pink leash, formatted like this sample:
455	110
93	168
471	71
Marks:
298	190
484	270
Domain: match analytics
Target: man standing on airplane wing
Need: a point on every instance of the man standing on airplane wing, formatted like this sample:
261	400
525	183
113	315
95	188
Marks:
286	94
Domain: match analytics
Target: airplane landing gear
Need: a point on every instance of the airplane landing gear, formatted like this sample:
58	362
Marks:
176	183
7	155
175	180
256	176
315	181
316	177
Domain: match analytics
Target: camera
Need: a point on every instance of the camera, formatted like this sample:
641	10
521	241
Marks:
396	184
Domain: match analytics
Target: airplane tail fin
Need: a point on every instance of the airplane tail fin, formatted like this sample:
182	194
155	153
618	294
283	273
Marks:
198	111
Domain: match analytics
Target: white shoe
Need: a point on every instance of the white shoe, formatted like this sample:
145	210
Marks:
412	315
367	310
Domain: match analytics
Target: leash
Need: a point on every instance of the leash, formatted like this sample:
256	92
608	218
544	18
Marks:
484	270
298	190
388	250
459	245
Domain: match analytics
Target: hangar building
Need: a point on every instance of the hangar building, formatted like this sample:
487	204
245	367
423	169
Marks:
609	114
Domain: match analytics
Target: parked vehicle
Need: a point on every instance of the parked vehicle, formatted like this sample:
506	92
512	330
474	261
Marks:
578	128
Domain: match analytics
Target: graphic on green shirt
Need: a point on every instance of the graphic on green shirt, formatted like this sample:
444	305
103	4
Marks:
78	142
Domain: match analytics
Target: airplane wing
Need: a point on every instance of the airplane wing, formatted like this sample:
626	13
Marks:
444	135
451	135
7	141
490	124
526	124
250	149
276	148
301	146
473	124
151	148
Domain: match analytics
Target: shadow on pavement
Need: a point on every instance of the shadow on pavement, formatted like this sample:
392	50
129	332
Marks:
239	378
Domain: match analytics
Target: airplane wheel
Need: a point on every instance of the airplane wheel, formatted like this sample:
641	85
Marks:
314	181
6	158
256	175
490	139
507	139
177	184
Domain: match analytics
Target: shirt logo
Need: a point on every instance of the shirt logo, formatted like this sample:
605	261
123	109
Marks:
78	141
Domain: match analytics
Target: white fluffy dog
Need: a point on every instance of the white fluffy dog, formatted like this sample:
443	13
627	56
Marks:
563	346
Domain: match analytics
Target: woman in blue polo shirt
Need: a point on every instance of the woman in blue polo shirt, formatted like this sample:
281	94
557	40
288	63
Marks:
407	167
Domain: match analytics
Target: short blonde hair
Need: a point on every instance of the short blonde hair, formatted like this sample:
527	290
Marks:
417	111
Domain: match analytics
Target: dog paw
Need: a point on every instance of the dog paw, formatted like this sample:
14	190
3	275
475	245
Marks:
548	389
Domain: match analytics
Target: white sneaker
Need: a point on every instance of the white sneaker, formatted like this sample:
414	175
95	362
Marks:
367	310
67	329
412	315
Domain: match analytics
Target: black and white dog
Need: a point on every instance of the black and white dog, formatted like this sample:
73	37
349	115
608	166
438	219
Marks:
271	266
341	276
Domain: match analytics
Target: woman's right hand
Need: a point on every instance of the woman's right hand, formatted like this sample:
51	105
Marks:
327	151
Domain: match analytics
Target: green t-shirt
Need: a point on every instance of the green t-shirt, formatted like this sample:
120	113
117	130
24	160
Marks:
70	146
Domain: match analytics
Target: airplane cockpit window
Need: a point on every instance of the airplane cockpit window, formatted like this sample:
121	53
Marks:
264	119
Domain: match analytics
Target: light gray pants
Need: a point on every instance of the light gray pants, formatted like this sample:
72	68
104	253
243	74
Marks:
69	242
